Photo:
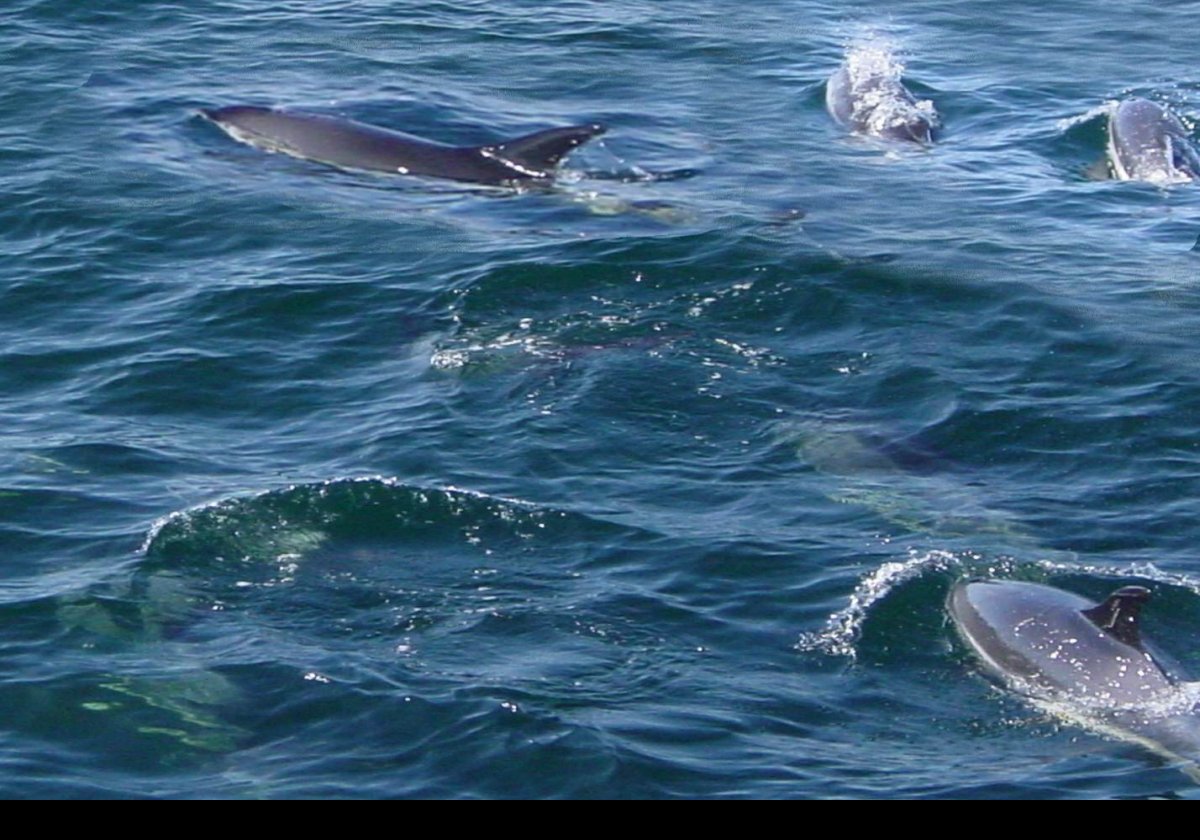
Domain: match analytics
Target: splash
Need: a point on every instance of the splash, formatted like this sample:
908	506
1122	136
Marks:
1104	110
1140	571
873	57
494	351
281	526
553	342
842	630
881	105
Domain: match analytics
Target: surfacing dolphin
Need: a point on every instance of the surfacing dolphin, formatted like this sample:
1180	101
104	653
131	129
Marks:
347	144
867	95
1087	661
1146	142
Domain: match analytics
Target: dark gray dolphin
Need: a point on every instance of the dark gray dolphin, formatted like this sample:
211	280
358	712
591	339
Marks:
873	100
1146	142
354	145
1089	659
1055	641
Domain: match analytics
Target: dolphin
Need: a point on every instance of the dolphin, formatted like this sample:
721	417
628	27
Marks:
1146	142
1085	661
532	158
871	99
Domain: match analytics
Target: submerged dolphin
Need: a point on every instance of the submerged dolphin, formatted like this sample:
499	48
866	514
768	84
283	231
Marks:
354	145
871	99
1090	659
1146	142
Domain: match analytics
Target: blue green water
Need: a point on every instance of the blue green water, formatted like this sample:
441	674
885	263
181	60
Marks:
320	483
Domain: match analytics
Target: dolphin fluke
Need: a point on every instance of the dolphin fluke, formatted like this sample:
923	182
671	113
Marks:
1119	614
542	151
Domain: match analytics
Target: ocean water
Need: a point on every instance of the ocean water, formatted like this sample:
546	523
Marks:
324	483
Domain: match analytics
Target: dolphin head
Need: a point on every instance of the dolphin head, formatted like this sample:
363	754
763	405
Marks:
867	94
916	129
1146	142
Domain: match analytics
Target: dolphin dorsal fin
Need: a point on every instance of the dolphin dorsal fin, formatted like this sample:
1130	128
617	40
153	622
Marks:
1118	615
539	153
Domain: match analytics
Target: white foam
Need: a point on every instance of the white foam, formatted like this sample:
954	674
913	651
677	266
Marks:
842	629
875	70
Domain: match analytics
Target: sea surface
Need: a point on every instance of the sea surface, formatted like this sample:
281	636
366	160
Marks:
317	483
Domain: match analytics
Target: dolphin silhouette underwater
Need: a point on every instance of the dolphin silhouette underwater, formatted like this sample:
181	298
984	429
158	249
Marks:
1146	142
531	158
870	98
1087	659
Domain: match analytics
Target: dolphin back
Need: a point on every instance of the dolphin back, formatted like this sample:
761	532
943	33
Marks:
353	145
1052	643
